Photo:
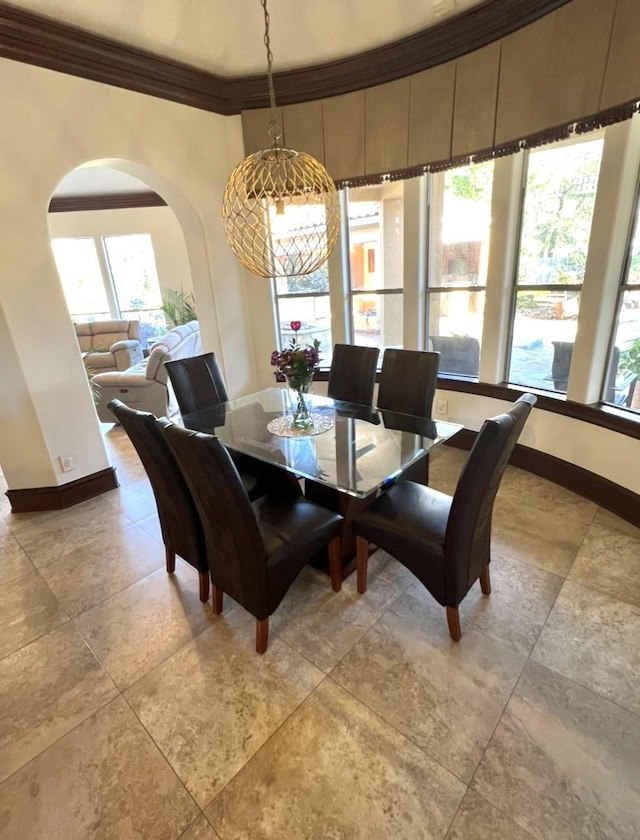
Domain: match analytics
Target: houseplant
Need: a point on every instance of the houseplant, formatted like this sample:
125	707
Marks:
298	363
178	306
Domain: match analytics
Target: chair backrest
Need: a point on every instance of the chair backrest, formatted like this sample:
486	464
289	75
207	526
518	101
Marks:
237	557
408	381
197	382
352	377
468	534
179	520
561	364
459	354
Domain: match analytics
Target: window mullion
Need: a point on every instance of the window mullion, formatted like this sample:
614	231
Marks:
107	277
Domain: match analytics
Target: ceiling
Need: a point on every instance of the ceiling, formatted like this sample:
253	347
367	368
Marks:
225	37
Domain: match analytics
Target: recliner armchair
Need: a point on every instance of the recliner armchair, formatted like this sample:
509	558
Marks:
144	386
109	345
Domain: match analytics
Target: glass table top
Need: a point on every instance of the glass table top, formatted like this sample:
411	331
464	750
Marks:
364	449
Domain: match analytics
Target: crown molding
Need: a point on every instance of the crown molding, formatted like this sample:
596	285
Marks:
35	39
112	201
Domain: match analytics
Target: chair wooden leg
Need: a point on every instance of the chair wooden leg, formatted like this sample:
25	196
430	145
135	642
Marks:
362	558
262	635
204	586
218	596
171	560
335	564
485	581
453	620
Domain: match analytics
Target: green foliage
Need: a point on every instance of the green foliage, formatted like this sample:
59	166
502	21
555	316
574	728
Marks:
317	281
178	307
472	182
93	386
630	358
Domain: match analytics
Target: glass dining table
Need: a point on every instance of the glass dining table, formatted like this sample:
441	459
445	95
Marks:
350	455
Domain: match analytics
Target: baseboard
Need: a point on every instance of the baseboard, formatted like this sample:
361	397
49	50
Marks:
614	498
66	495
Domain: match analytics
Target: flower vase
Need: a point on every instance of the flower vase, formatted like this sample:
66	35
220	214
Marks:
300	386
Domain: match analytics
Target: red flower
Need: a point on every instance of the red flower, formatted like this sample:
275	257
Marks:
295	325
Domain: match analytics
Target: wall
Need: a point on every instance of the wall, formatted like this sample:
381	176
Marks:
52	123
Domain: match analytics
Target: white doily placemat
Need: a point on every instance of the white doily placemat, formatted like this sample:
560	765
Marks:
281	426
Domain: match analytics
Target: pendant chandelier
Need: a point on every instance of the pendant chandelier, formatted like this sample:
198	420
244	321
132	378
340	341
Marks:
280	207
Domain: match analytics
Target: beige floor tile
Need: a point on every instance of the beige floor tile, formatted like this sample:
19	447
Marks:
136	629
46	689
444	468
200	830
544	539
521	487
606	519
335	770
609	561
445	696
594	640
135	500
215	702
49	537
28	609
515	612
151	525
106	779
129	469
13	560
564	762
477	819
324	625
91	571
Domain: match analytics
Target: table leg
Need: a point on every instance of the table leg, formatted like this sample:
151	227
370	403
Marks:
346	506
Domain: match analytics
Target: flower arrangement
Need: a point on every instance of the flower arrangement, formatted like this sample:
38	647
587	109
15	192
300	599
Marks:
297	362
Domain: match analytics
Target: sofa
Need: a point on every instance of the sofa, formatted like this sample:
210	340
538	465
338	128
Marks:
145	386
109	345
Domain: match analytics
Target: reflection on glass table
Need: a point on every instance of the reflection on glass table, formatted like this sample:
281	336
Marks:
364	449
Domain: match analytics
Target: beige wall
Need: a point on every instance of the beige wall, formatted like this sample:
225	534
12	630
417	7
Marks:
52	123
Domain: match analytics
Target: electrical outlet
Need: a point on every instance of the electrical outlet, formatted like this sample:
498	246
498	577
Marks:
442	407
67	463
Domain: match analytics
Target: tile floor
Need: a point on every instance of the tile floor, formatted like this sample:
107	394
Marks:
128	711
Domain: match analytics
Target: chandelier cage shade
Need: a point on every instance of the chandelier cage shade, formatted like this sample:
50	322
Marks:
281	213
280	207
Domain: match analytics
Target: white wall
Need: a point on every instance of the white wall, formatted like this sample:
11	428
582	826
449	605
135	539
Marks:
51	124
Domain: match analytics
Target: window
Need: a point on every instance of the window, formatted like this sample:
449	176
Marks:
458	252
81	278
132	267
621	385
304	298
560	191
376	266
128	288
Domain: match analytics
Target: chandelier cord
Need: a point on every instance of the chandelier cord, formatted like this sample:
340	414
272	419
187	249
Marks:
274	126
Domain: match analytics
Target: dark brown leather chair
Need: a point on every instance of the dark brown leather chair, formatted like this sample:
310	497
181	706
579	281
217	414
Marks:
459	354
408	381
179	521
353	373
255	549
197	382
445	540
199	388
407	386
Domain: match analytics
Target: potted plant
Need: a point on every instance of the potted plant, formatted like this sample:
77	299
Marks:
178	306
